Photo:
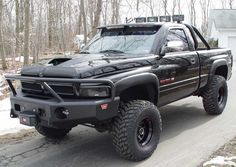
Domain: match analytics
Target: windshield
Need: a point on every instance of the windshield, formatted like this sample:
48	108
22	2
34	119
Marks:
132	40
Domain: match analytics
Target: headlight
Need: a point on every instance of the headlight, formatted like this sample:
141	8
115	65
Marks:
94	91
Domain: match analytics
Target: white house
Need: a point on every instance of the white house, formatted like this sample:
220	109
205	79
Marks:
222	26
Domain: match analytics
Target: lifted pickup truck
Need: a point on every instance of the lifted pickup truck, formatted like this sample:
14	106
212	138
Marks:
118	82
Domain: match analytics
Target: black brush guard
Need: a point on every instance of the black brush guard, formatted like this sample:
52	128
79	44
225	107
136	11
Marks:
81	111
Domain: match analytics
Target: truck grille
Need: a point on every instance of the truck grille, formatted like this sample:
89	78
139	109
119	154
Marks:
36	88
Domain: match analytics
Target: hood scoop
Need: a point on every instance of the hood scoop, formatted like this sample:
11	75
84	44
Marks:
58	61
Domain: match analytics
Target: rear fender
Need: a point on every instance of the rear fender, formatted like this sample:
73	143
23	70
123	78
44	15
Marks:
216	64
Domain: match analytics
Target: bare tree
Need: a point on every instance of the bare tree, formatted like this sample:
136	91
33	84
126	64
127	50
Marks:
115	11
2	51
84	20
38	38
97	16
179	6
205	6
78	18
137	5
105	11
151	6
231	2
165	3
26	31
192	11
17	27
223	4
50	24
63	19
21	15
174	6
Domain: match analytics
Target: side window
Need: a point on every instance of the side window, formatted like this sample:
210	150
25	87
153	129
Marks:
177	41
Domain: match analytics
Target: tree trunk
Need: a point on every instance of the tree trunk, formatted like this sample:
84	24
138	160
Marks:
179	7
151	7
78	19
173	7
97	17
231	4
61	23
26	31
17	29
21	16
105	13
2	51
38	35
165	2
115	11
223	4
50	22
84	20
205	6
117	15
79	23
192	12
137	5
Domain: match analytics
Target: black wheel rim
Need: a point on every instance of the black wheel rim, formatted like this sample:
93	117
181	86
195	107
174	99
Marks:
144	132
221	96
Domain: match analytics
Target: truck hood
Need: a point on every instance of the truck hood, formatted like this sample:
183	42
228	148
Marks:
89	65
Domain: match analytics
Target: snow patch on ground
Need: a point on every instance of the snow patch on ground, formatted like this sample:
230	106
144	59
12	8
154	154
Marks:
7	124
19	58
5	105
219	160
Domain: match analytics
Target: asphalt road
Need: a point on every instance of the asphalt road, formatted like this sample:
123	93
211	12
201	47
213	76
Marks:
189	136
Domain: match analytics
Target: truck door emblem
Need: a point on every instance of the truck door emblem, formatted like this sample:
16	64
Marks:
167	81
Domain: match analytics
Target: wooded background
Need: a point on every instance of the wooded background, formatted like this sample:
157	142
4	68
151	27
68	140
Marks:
32	28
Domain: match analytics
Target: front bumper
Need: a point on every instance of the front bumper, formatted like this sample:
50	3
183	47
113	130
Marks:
61	112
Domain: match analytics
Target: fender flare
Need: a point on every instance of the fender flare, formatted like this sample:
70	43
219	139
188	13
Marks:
216	64
137	79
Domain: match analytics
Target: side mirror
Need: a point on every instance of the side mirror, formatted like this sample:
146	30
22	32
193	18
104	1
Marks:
172	46
175	46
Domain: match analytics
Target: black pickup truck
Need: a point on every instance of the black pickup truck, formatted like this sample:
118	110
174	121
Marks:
118	82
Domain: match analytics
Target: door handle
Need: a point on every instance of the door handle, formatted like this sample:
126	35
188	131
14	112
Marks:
193	61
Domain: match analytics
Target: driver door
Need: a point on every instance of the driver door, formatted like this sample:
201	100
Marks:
179	68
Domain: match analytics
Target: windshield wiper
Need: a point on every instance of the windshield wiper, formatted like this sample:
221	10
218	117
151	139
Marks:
84	52
111	51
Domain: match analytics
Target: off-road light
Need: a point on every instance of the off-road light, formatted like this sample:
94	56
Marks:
152	19
165	19
140	19
178	18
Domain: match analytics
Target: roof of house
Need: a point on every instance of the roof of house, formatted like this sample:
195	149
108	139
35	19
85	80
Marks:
223	18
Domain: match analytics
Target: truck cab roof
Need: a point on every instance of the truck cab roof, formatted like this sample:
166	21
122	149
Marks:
149	24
